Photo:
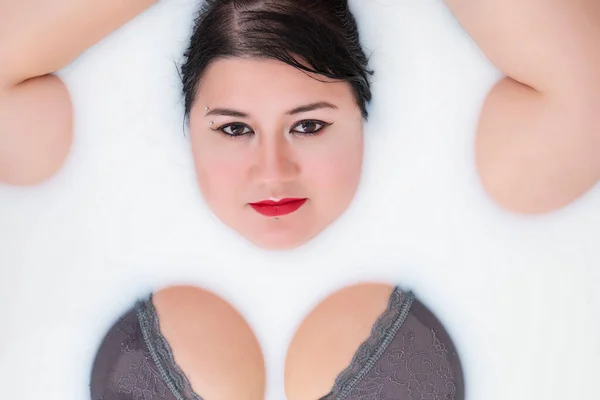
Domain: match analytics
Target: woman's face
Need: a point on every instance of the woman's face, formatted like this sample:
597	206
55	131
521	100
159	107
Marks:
278	153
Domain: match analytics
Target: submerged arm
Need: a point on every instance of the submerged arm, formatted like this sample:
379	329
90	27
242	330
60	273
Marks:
38	37
538	144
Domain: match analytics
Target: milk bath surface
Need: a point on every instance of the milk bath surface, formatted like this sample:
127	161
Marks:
125	216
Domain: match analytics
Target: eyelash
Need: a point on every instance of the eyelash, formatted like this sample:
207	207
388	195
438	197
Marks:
313	121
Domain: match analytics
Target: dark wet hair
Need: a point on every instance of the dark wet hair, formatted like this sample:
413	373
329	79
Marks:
317	36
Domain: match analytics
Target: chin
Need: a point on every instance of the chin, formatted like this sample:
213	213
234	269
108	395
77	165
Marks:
279	242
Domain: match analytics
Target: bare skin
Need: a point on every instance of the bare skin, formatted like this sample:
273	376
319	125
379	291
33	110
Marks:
538	142
329	337
212	344
38	37
219	354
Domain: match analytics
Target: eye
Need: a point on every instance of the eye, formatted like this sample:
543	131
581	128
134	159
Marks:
235	129
309	127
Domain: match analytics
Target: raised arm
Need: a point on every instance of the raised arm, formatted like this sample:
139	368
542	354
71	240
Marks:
38	37
538	144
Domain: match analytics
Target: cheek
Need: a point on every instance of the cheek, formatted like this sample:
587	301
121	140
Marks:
220	172
337	169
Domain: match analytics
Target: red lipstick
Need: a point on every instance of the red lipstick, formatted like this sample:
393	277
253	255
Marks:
270	208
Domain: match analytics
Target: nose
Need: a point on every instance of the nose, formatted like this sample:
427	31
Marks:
274	161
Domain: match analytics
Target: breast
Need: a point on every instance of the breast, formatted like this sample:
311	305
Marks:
372	341
184	343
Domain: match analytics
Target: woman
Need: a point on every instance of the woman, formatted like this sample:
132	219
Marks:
275	94
183	342
538	133
275	105
536	148
275	99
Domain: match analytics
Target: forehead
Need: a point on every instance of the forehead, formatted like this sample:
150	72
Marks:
250	80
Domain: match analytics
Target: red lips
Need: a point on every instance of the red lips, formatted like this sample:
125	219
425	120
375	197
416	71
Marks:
271	208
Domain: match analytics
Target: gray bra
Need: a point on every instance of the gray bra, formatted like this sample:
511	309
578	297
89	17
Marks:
408	356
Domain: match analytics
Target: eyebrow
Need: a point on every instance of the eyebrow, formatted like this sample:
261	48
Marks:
227	112
312	107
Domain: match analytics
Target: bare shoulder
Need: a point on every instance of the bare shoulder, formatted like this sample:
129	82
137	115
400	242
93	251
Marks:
35	130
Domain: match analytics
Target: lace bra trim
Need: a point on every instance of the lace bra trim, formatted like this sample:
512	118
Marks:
384	330
161	353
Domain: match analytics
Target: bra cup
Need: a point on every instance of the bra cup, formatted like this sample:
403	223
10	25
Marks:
184	343
212	343
419	362
329	336
406	354
123	368
440	347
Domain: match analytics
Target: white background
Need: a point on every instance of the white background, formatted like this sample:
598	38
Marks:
125	216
